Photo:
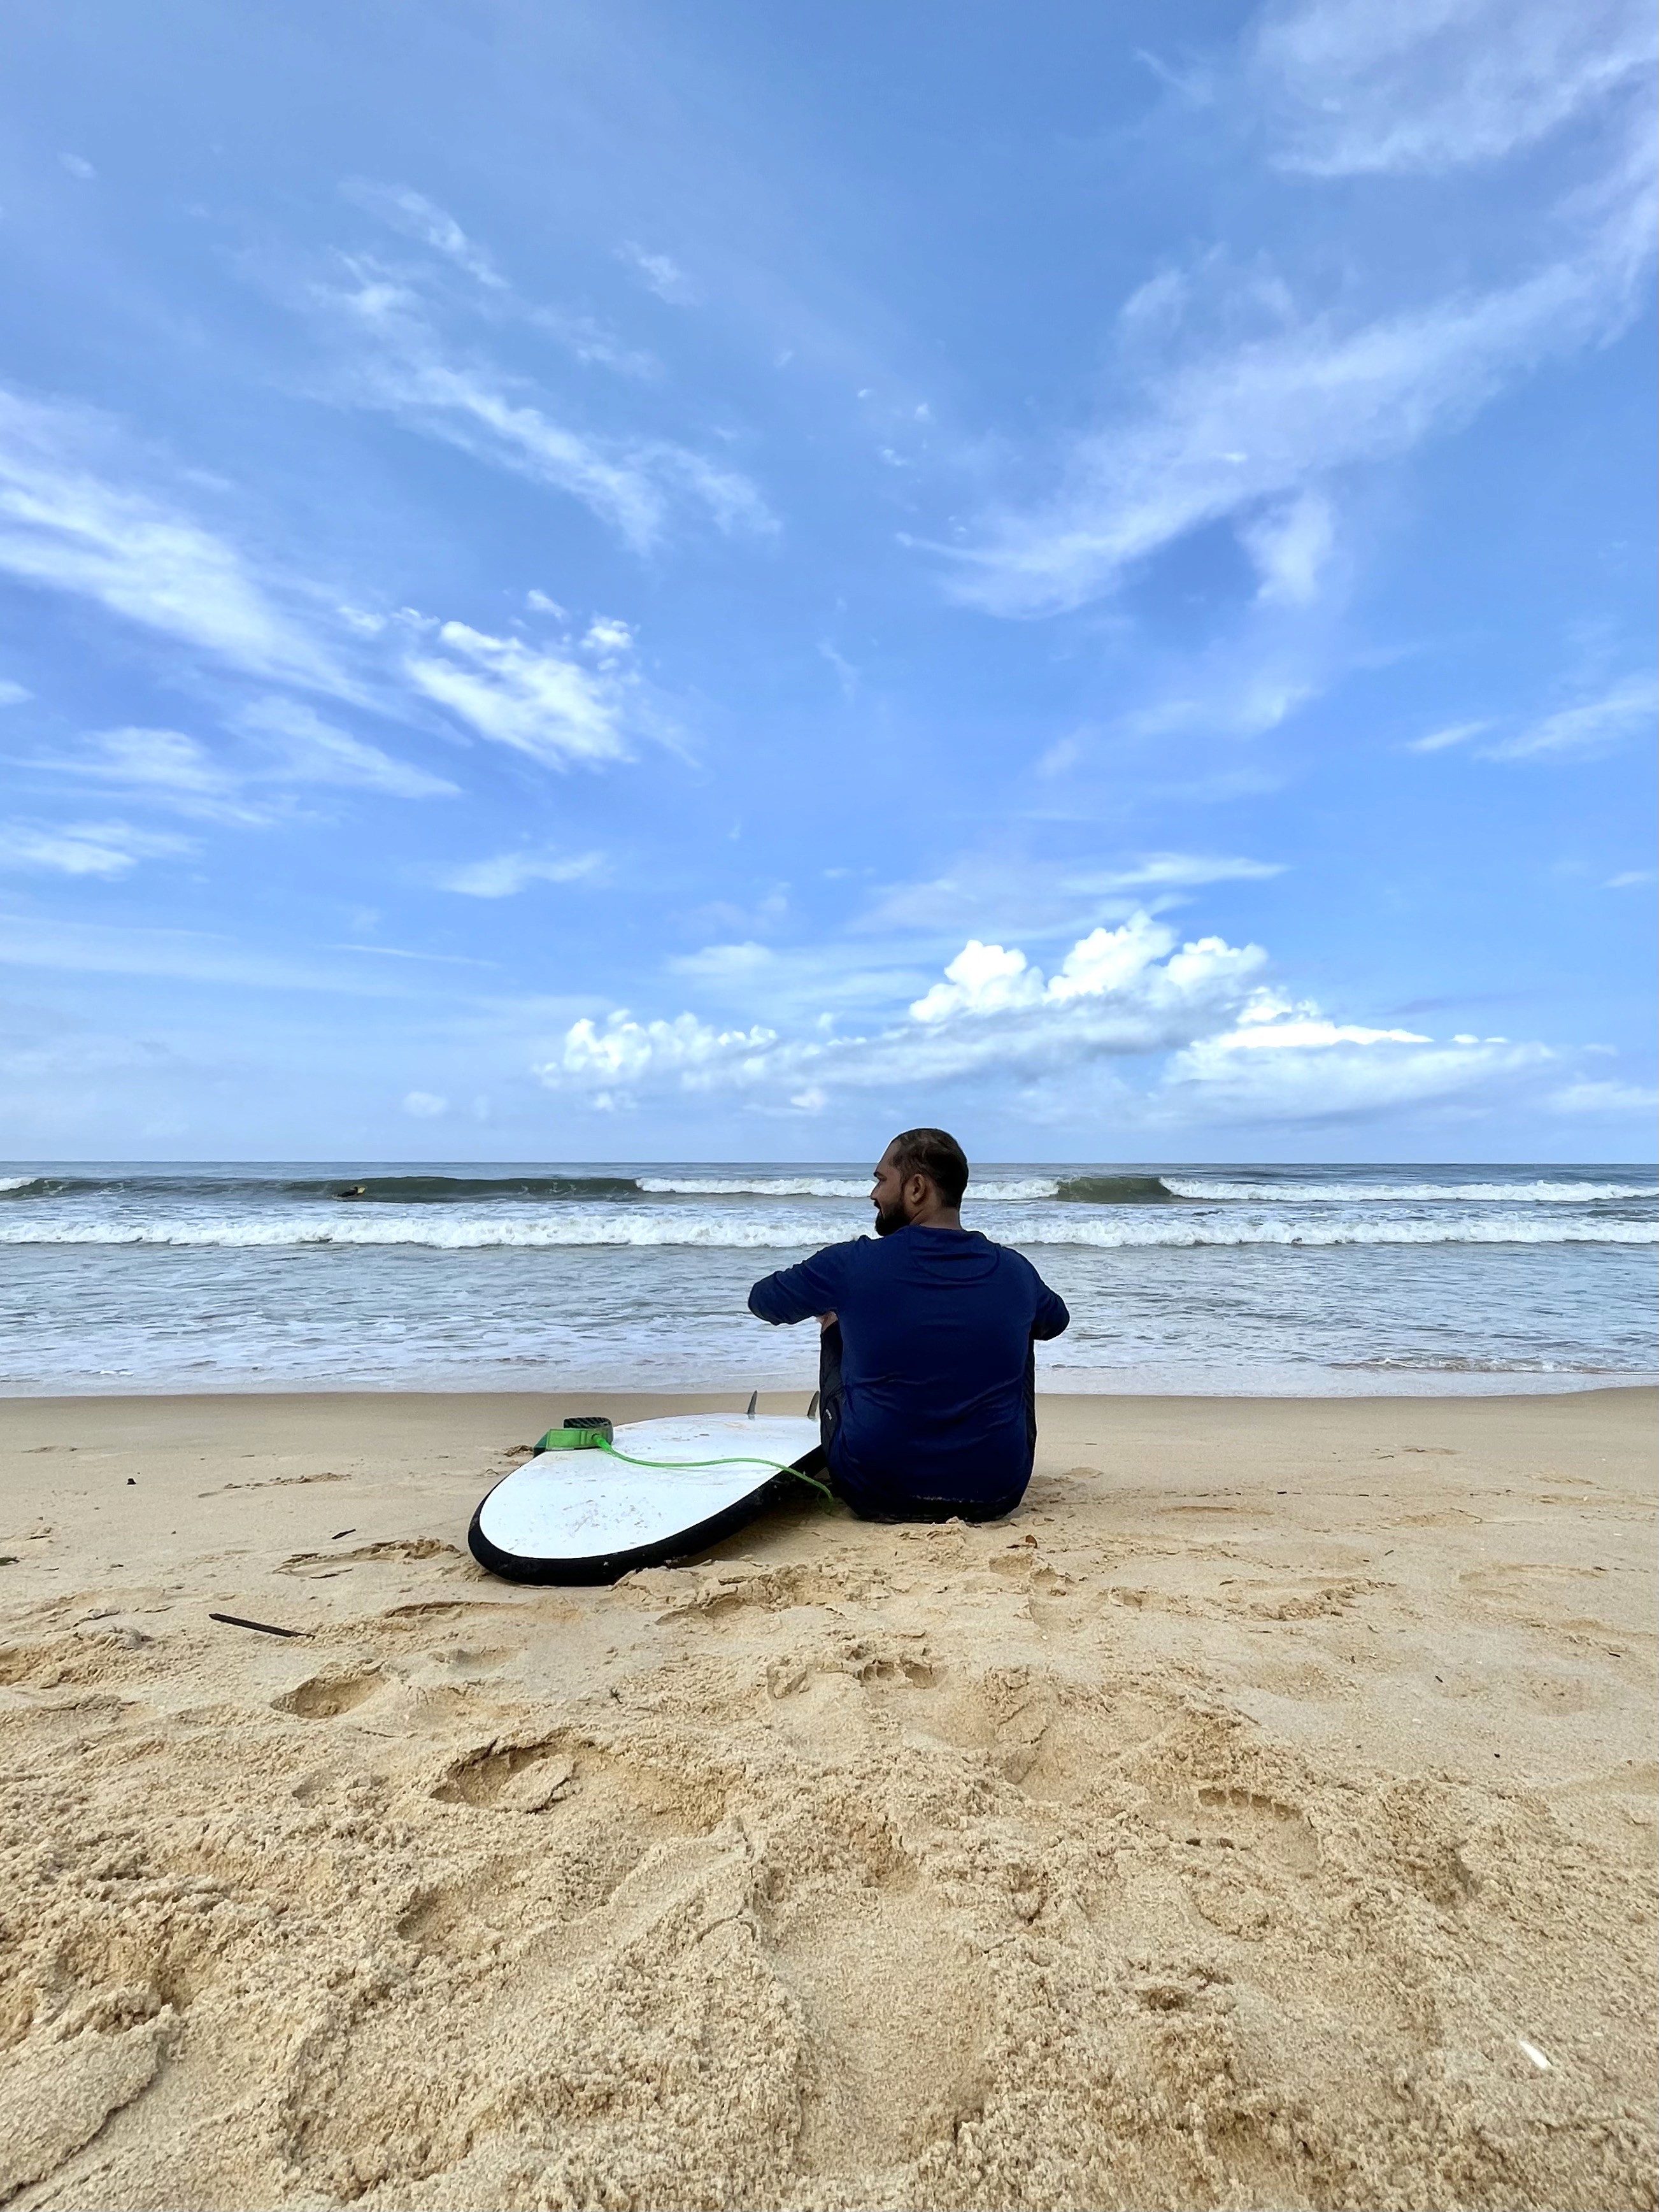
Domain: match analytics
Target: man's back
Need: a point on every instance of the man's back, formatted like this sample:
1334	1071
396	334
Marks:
936	1327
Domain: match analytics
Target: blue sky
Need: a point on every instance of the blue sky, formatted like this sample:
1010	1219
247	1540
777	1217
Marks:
613	582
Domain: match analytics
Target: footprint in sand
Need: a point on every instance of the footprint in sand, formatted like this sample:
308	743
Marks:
325	1696
514	1777
896	2003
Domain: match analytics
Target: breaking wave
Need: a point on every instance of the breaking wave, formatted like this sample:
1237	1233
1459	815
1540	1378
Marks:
994	1190
1361	1194
368	1190
216	1189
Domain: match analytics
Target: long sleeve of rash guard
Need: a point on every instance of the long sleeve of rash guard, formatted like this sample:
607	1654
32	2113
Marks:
797	1293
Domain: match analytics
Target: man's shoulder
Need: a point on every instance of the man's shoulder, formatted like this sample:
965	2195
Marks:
1005	1252
1013	1267
847	1249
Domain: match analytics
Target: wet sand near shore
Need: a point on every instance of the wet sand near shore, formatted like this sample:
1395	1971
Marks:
1263	1817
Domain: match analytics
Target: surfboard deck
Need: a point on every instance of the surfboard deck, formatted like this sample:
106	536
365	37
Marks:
583	1517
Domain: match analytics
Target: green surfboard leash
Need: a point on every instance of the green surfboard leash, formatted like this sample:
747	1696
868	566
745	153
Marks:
563	1439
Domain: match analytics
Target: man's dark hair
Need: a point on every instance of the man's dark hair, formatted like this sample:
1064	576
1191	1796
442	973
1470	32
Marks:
936	1154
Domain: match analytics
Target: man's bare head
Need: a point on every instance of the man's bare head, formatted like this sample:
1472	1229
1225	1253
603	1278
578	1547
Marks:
920	1177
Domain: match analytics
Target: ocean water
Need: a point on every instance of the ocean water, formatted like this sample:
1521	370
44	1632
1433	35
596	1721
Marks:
1236	1280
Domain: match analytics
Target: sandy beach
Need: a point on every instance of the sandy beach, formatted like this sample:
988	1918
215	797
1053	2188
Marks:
1264	1817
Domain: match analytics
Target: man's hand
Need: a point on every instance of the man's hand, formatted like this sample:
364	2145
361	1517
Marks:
825	1322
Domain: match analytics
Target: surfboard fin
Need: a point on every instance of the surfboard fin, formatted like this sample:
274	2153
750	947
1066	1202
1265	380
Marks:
754	1400
813	1410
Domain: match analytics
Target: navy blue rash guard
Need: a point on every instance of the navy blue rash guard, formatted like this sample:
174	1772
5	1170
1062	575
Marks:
936	1326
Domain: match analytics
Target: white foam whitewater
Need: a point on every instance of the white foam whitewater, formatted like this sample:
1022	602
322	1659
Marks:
1239	1277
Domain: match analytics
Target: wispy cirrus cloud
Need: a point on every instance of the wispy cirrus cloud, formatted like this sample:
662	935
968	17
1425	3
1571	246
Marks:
1309	1070
75	517
417	217
505	874
302	748
659	273
1594	723
1008	892
287	745
66	525
578	331
164	767
1179	871
193	955
1450	734
545	702
635	485
1249	431
101	849
1588	727
1292	546
1242	405
1430	85
1604	1097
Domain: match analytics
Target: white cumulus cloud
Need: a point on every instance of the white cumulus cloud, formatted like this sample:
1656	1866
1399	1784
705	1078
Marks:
1220	1045
1125	991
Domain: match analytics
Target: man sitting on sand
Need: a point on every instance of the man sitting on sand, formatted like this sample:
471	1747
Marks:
927	1374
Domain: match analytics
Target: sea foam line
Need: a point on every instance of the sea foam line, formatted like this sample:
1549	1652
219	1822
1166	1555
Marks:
620	1229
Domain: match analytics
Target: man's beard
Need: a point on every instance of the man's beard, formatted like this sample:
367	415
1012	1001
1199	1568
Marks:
889	1218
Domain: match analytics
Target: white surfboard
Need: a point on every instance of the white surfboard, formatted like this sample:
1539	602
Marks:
584	1517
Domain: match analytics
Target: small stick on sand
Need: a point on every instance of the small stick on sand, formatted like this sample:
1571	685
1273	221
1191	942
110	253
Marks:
265	1627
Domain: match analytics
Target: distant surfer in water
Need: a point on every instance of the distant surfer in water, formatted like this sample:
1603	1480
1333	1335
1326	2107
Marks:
927	1373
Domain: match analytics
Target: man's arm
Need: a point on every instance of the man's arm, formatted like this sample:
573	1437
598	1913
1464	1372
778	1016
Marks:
795	1293
1051	1318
